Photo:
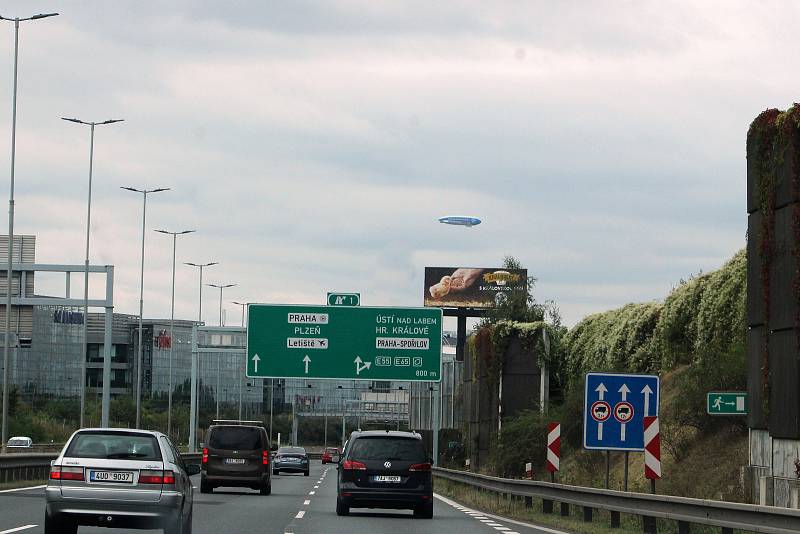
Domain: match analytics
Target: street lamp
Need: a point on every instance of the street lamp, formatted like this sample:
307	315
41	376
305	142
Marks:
9	279
244	307
241	376
172	322
196	358
201	266
86	271
144	193
221	288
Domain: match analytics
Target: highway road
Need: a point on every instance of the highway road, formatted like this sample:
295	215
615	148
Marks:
298	505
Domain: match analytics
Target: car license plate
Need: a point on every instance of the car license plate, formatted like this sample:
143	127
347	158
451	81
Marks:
234	460
384	478
124	477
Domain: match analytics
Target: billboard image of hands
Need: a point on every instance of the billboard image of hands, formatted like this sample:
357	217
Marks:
471	287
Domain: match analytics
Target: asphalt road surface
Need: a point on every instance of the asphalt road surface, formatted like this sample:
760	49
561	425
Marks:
298	505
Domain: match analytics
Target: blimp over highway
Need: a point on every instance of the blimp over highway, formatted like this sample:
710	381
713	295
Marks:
460	220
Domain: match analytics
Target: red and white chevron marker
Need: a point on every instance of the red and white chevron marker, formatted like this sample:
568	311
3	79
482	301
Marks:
553	447
652	449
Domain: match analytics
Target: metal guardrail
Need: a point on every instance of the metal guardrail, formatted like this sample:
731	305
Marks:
726	515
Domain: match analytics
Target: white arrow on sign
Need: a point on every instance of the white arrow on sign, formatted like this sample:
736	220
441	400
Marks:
624	391
358	361
255	359
306	361
647	392
601	393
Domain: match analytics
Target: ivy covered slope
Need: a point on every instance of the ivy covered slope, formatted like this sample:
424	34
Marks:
695	340
699	319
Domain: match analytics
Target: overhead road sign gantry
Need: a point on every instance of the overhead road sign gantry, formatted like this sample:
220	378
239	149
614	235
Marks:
344	342
615	408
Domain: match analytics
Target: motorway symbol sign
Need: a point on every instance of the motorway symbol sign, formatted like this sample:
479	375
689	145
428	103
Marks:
344	342
344	299
726	403
614	410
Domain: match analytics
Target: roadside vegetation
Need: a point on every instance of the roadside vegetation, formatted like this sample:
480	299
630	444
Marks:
694	339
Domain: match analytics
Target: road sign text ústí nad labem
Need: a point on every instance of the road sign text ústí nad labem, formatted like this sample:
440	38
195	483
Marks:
344	342
726	403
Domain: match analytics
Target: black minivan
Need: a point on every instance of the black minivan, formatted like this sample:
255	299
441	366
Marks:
385	469
236	454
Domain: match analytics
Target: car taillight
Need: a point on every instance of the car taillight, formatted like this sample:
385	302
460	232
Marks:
265	458
420	468
353	465
66	473
205	456
156	477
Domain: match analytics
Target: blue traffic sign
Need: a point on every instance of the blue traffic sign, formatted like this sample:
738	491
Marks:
614	410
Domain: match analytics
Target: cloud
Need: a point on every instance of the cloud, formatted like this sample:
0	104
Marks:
314	144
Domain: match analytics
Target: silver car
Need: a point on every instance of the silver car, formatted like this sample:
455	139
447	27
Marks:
119	478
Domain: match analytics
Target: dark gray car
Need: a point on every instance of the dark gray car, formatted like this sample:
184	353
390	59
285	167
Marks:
291	460
121	479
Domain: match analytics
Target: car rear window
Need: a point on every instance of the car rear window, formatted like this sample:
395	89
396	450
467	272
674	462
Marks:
236	438
294	451
385	448
18	443
114	445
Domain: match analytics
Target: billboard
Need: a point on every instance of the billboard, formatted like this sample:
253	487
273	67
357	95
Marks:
470	287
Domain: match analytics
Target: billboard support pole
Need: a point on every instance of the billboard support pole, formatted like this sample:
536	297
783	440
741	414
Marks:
437	406
461	337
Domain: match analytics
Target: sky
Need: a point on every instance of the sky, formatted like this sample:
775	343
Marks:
313	145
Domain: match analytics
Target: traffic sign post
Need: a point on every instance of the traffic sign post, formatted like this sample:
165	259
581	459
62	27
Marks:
344	299
615	408
553	448
726	403
344	342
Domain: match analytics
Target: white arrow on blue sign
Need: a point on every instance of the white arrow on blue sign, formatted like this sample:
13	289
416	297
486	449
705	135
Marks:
614	411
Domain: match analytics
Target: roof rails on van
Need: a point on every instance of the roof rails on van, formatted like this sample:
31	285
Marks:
236	422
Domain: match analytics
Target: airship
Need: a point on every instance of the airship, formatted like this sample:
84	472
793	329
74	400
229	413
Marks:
460	220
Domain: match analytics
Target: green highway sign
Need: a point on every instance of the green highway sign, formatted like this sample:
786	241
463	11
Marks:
344	299
726	403
344	342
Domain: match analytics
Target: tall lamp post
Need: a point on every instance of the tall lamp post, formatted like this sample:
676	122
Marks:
241	376
144	193
10	278
221	289
196	358
84	349
172	322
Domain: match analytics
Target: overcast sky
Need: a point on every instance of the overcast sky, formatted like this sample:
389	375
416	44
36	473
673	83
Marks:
314	144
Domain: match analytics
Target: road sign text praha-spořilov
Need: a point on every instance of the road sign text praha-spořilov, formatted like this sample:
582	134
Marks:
615	407
344	342
726	403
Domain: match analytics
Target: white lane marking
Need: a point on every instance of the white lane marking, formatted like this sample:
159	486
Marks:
311	492
502	528
22	489
299	515
9	531
306	502
505	519
316	487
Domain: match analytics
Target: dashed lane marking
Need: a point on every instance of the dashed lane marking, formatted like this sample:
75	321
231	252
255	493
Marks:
306	502
300	514
492	520
311	492
18	529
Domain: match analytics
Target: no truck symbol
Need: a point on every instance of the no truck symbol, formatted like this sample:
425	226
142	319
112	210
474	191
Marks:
623	412
601	411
